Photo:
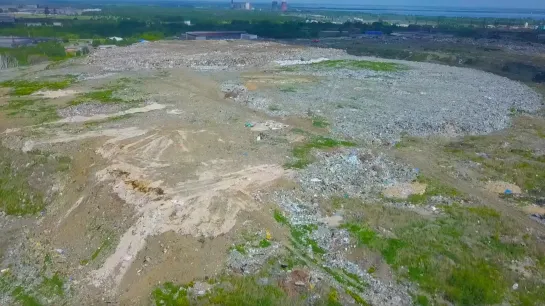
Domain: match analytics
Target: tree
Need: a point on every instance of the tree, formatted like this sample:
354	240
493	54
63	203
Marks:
46	11
54	11
96	43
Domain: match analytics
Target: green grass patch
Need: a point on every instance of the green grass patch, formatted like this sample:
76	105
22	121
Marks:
102	96
288	89
274	108
170	295
245	291
479	283
433	188
333	298
279	217
302	153
38	110
320	122
241	249
16	196
517	163
422	300
107	120
360	65
106	95
300	234
264	243
25	298
358	299
463	257
52	286
25	88
106	243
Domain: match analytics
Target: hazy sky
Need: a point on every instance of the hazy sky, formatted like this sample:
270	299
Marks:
452	3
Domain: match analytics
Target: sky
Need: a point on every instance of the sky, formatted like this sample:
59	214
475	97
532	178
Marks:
536	4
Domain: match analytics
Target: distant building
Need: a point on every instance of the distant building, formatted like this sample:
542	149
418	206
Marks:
238	5
247	6
187	22
92	10
274	6
215	35
103	47
57	24
284	6
33	24
115	38
248	36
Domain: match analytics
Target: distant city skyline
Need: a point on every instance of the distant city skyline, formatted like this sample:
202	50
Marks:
504	4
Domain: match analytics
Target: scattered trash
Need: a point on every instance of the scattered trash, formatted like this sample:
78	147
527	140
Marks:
60	251
315	180
515	286
4	270
508	191
353	159
263	281
268	235
249	124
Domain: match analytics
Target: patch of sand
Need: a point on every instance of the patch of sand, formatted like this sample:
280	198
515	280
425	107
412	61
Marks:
205	207
144	109
332	221
52	94
500	187
269	125
404	190
300	62
534	209
117	134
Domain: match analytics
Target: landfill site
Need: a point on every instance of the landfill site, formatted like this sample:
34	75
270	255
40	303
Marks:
177	172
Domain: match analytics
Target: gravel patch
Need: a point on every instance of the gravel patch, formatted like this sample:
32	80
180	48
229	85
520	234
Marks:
203	55
303	211
353	173
426	99
90	109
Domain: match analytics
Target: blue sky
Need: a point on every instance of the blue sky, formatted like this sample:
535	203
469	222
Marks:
538	4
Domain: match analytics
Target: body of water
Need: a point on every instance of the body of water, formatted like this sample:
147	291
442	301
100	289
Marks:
538	14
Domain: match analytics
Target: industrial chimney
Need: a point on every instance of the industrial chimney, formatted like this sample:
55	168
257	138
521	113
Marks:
284	6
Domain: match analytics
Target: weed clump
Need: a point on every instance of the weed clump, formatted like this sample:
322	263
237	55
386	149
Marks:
302	153
320	122
25	88
27	108
462	257
170	294
359	65
16	196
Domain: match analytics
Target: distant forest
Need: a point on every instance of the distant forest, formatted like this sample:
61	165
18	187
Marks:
153	23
